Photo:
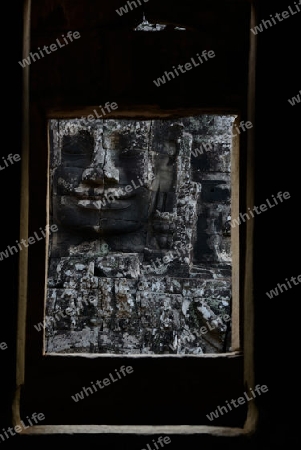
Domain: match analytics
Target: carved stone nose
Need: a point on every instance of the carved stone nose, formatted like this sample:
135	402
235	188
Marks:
94	175
98	173
111	173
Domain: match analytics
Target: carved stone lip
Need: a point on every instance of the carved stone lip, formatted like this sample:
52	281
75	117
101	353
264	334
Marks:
103	204
104	196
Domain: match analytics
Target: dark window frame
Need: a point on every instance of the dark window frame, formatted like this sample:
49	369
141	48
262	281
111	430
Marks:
32	364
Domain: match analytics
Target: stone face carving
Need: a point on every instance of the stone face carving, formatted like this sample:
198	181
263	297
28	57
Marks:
141	263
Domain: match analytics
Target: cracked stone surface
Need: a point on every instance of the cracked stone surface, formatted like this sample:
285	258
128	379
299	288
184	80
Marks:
141	263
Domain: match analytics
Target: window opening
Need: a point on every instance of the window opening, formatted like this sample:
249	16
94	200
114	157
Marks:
141	262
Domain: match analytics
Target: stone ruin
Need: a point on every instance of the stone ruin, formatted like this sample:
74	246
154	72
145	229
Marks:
141	262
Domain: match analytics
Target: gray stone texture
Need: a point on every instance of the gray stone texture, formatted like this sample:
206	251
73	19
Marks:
141	262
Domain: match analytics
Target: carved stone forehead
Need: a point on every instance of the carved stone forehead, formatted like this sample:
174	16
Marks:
116	134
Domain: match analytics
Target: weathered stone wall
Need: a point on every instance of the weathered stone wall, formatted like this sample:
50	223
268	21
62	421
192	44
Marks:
141	261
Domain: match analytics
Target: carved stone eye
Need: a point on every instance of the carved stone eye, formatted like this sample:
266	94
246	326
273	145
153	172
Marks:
81	143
